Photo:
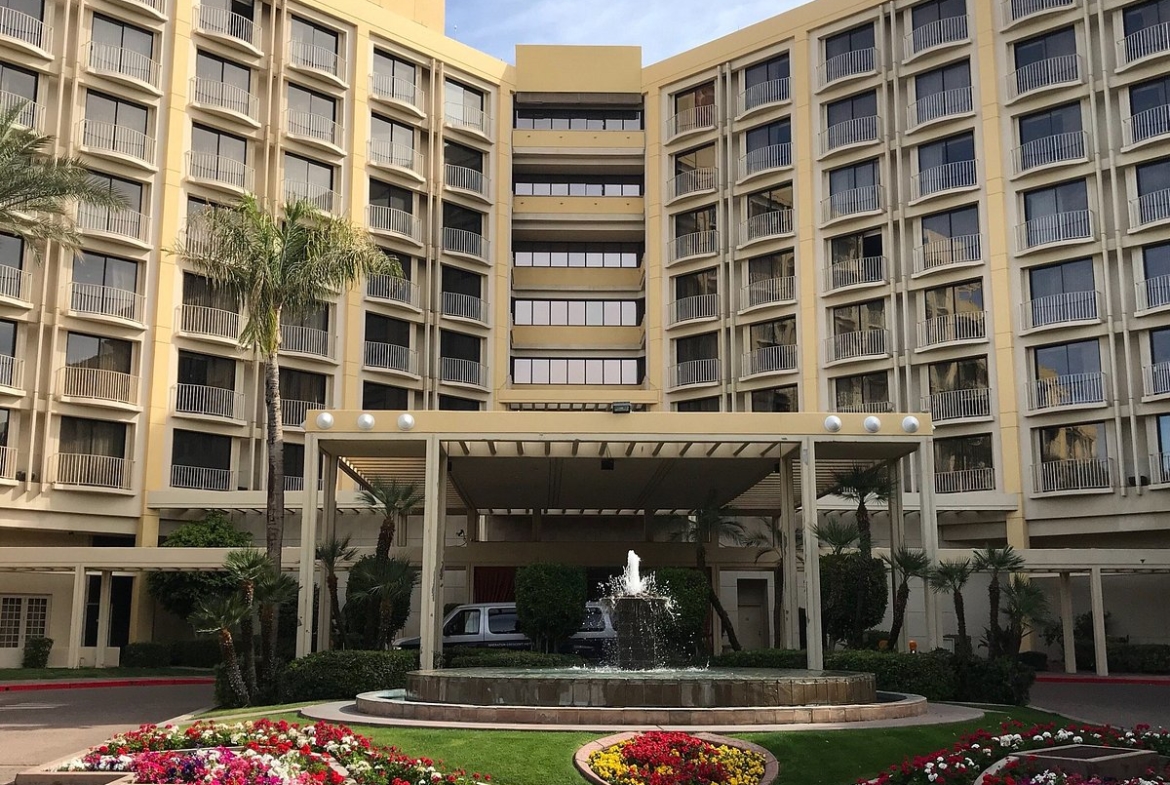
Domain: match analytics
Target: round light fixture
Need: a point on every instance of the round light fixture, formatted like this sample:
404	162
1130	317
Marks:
405	422
832	423
872	424
365	421
324	421
910	424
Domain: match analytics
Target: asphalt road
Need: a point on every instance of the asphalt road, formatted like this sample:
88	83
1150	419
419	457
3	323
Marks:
40	726
1114	704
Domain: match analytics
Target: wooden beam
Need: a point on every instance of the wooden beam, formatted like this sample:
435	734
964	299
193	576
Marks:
769	449
520	448
630	448
491	447
465	448
602	449
740	449
714	447
682	453
658	448
576	446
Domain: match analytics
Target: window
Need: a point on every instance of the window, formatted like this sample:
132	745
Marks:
314	39
697	348
779	332
219	156
953	313
1156	275
22	85
7	348
116	124
969	373
943	92
456	280
201	460
131	192
455	154
316	176
865	316
1046	59
458	346
766	82
574	254
946	164
691	100
577	185
1068	374
453	403
311	113
502	621
1153	187
1159	372
773	200
856	40
775	399
391	196
384	329
11	266
116	35
1073	457
767	147
379	397
33	8
387	65
935	11
856	259
314	319
465	105
302	386
964	463
81	436
951	237
710	404
862	106
1162	460
98	353
199	291
578	118
1073	442
22	617
1062	292
772	267
561	370
1144	16
105	285
1051	136
695	221
206	370
859	177
216	69
589	313
1057	213
863	393
699	158
465	622
697	284
462	219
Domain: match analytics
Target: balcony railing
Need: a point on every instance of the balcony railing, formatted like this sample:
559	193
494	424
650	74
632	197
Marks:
1156	378
1062	69
88	298
19	26
972	403
770	359
765	159
293	412
209	401
1084	474
965	480
777	223
768	291
222	22
776	91
31	114
221	95
14	283
220	169
392	289
213	322
392	88
1149	208
932	35
688	309
946	103
863	343
324	199
1063	308
117	139
316	58
456	370
11	372
952	328
1152	123
697	118
464	178
693	245
202	478
98	384
1144	43
118	61
856	272
305	340
464	306
91	471
856	63
1153	293
963	249
111	220
1074	389
8	458
461	241
947	177
309	125
863	407
853	201
860	130
1015	10
391	357
1160	468
691	372
1050	150
1069	226
384	152
693	182
469	118
390	219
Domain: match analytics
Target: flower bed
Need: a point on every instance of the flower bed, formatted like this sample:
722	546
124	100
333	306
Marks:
673	758
1024	772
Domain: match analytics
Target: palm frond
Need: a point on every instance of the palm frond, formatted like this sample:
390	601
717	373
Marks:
276	588
908	562
839	535
861	483
247	564
334	551
214	614
950	576
998	560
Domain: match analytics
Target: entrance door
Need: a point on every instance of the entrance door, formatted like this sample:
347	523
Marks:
752	621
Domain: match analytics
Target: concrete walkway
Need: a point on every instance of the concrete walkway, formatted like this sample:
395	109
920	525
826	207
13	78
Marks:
1107	701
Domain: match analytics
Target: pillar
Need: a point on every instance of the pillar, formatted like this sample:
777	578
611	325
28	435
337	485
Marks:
325	609
812	563
434	494
103	630
897	540
929	520
308	556
77	618
1066	622
791	631
1100	649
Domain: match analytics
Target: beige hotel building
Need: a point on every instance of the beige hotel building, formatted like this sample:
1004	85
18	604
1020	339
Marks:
959	207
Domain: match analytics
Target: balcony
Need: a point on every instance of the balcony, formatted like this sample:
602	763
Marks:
856	345
462	178
223	97
31	114
853	201
693	246
120	63
949	405
1156	379
940	106
456	370
861	130
1061	309
771	158
1014	11
110	138
690	309
777	223
952	328
1160	468
393	89
464	306
769	291
222	23
465	243
770	359
209	322
848	65
316	58
950	252
693	120
694	372
965	480
82	470
24	29
386	154
776	91
1153	293
390	357
310	341
392	289
220	170
293	413
935	35
201	478
468	118
126	224
98	384
313	127
1084	474
14	284
1066	227
1149	209
11	372
390	220
1150	124
864	407
1053	72
941	179
206	401
93	300
1144	44
702	180
1074	389
1050	151
324	199
848	273
8	459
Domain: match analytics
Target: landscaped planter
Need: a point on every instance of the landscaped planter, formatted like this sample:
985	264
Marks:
769	767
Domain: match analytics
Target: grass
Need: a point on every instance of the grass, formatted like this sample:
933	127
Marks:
68	674
248	713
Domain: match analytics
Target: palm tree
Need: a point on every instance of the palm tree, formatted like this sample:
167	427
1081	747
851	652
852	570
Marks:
331	554
905	563
246	567
395	501
950	577
772	543
839	535
390	583
864	484
1026	609
218	615
996	561
273	590
712	525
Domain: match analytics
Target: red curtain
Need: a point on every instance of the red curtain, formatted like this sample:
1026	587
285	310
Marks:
494	584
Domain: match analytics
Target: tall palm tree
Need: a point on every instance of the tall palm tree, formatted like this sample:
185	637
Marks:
1026	609
389	583
218	616
331	554
864	485
246	567
905	563
395	501
839	535
712	525
273	590
996	561
949	577
773	543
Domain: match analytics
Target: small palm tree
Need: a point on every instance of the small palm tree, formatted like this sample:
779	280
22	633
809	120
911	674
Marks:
219	615
864	485
273	590
996	561
331	554
839	535
389	583
246	567
395	501
905	563
712	525
949	577
1026	609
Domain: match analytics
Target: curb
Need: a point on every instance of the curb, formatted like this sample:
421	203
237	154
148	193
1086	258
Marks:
64	684
1069	678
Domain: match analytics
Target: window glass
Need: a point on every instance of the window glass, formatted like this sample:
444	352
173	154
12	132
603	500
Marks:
854	40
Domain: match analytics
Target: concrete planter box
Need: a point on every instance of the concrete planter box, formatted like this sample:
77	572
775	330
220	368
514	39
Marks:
1086	760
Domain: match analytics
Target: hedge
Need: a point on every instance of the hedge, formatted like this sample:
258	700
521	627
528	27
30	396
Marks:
199	653
36	652
145	655
336	675
507	658
1138	658
550	603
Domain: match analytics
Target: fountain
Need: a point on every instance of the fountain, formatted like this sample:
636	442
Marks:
635	610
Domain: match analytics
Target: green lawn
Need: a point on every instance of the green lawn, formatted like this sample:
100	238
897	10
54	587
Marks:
58	674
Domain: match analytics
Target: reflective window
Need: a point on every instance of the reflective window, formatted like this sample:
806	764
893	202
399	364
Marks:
567	254
575	313
562	370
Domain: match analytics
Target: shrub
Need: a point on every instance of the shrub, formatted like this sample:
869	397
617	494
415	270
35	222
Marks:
36	652
507	658
761	658
1002	680
930	675
1139	658
1036	660
181	592
841	575
550	603
199	653
684	629
145	655
334	675
873	639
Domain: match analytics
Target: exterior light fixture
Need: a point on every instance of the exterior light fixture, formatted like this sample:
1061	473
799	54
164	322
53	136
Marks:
832	423
607	464
910	424
872	424
324	421
621	407
365	421
405	422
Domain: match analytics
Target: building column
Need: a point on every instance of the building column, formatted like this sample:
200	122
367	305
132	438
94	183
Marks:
928	517
1100	647
325	609
790	633
812	563
897	540
308	550
1066	622
103	630
434	504
77	618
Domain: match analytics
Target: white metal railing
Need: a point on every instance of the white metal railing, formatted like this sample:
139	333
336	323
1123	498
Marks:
305	340
202	478
392	288
856	63
946	177
158	6
1153	292
8	457
863	343
970	403
310	125
215	322
945	103
695	244
697	118
19	26
111	220
962	249
99	300
1055	228
316	58
1048	150
470	118
1073	389
98	384
14	283
855	272
864	407
1147	42
293	412
1148	124
221	21
11	372
686	309
208	401
384	152
465	178
776	91
769	359
1062	69
31	114
765	159
1150	208
461	241
394	88
294	483
1156	377
768	291
1083	474
691	372
116	60
1061	308
456	370
91	471
934	34
1015	10
965	480
952	327
324	199
852	201
390	357
694	181
220	169
463	306
1160	468
209	92
859	130
390	219
774	224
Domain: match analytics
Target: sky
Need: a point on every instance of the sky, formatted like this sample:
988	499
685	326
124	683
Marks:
661	27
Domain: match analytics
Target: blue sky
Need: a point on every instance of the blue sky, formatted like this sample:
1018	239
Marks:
661	27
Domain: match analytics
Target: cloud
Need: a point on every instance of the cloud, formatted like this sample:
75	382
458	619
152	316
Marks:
661	27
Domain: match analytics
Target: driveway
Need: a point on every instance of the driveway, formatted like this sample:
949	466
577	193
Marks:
40	726
1114	704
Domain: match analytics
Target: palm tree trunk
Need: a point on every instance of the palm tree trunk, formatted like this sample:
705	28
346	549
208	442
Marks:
336	625
716	603
901	599
385	538
864	533
248	638
232	666
995	633
274	514
778	604
964	646
269	620
385	611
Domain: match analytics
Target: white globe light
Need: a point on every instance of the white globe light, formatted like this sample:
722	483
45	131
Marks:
832	423
872	424
405	422
324	421
365	421
910	424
